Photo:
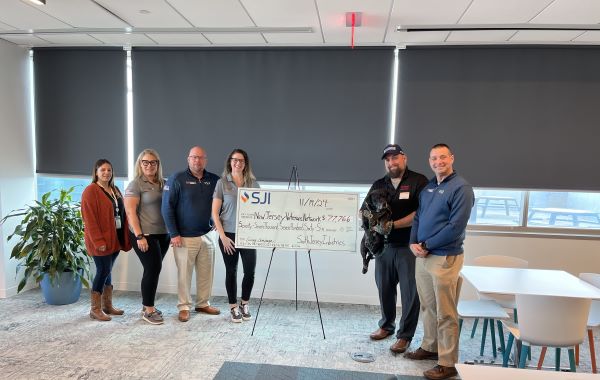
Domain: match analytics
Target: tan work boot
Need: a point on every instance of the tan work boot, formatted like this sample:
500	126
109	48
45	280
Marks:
96	311
107	306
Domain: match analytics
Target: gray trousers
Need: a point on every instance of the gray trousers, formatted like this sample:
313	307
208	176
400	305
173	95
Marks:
396	265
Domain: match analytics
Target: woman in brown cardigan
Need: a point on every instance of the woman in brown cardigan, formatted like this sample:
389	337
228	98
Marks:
105	234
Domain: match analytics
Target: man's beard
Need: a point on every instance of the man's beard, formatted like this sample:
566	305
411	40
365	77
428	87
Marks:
395	172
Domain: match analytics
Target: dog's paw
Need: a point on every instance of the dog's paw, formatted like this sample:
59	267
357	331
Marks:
383	228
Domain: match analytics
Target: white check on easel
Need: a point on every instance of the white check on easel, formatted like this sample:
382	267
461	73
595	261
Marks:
289	219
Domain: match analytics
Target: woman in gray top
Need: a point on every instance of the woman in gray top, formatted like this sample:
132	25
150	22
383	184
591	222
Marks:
147	231
237	173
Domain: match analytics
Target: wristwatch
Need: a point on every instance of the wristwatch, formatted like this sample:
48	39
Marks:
140	236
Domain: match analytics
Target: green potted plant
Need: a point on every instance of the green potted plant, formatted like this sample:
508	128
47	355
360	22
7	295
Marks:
51	248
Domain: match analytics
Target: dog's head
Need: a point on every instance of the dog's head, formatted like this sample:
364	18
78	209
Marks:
378	200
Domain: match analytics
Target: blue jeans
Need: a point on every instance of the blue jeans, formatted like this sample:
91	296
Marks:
104	265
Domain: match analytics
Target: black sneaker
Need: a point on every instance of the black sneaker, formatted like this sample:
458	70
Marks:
245	311
236	316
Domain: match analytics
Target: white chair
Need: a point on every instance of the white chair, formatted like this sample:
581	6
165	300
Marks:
504	300
593	318
490	311
593	321
548	321
490	306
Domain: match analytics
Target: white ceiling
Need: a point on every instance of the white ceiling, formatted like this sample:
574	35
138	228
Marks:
264	22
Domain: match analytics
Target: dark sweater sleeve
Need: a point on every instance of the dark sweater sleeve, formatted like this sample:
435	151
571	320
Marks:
460	211
169	205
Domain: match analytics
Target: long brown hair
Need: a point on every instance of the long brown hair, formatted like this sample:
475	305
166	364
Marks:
249	177
111	182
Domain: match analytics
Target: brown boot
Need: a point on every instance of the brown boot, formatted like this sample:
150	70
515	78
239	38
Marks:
96	312
107	306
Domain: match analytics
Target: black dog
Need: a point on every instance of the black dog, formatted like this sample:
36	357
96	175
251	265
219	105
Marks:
376	217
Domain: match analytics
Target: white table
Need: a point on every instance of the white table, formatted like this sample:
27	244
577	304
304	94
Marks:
528	281
478	372
494	280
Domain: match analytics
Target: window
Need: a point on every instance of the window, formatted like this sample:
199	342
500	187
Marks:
497	207
536	211
48	183
564	209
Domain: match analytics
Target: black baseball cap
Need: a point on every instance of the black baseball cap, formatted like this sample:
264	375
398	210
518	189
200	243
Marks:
392	149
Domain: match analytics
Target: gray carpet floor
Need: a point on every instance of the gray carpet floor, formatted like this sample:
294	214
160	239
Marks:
38	341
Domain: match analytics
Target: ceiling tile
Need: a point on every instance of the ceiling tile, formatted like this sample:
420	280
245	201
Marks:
179	38
4	26
70	39
416	37
286	13
591	36
480	36
27	40
159	13
235	38
503	12
428	12
570	12
283	12
545	35
82	14
121	39
423	12
313	38
27	16
213	14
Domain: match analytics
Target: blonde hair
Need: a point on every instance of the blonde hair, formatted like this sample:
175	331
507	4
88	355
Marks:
249	177
138	166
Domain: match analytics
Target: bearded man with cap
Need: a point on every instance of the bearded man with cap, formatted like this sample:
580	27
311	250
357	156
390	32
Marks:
396	263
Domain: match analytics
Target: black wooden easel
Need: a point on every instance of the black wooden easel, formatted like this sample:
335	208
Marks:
296	186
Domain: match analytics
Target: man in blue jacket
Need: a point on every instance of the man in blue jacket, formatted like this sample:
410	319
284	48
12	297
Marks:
436	239
186	208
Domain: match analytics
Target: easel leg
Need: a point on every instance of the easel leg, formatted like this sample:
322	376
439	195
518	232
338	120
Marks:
263	292
316	295
296	269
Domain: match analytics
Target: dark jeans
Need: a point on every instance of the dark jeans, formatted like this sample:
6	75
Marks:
397	265
231	265
152	262
104	265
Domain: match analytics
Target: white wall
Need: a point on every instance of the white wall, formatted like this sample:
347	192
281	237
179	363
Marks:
16	155
338	275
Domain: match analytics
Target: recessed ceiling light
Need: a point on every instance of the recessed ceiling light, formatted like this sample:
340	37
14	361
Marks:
39	2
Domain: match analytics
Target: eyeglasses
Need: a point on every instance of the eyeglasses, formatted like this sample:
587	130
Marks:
146	163
197	157
238	160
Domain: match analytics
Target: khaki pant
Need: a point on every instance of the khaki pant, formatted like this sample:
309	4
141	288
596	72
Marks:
436	283
196	253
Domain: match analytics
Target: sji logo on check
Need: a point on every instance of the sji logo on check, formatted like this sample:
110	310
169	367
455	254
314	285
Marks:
255	197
